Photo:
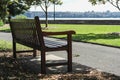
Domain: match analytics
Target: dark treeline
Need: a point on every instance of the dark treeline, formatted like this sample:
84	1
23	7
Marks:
89	14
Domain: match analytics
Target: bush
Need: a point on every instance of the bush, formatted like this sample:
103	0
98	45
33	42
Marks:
1	23
20	17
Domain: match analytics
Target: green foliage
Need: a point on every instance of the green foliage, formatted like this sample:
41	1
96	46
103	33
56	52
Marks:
39	2
20	17
16	8
44	4
115	3
31	2
12	8
56	2
3	9
1	23
5	29
94	2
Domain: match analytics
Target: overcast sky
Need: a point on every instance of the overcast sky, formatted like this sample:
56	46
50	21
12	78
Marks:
79	6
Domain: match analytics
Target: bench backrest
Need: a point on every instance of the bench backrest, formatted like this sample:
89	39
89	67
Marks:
27	32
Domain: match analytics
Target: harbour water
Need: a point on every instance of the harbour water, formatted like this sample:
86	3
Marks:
81	18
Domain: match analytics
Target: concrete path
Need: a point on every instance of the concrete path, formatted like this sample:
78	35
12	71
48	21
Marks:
103	58
5	36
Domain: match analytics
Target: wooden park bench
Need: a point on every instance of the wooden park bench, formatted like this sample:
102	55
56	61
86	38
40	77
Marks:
28	32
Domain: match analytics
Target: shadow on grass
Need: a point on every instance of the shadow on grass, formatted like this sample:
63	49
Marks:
6	30
92	36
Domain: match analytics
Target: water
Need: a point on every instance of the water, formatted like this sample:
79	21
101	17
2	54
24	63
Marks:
81	18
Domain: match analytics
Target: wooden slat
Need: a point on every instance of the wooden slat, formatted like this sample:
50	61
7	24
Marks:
24	51
56	64
53	44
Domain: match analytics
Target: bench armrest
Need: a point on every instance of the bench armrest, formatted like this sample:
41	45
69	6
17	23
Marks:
58	33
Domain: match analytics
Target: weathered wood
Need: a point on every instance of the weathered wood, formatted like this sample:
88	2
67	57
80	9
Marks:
29	33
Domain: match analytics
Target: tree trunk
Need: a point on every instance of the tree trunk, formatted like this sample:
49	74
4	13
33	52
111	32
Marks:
46	14
46	24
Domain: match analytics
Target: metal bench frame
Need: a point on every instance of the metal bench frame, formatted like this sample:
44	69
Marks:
21	30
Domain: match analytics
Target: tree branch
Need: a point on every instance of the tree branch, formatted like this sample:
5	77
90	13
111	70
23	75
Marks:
42	7
115	4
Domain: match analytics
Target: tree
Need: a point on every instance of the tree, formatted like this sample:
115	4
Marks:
44	4
115	3
56	3
11	8
3	9
16	8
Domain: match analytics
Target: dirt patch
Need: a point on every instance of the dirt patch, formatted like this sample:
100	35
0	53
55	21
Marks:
13	69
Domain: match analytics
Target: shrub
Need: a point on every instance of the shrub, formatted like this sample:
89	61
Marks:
1	23
20	17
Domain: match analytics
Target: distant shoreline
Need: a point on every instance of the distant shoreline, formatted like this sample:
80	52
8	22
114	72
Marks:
80	18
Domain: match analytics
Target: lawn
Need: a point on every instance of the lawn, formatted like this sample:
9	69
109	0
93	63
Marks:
6	46
102	34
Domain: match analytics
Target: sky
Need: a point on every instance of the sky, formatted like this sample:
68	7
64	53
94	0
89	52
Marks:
79	6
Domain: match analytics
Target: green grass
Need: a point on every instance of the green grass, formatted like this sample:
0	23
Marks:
88	33
6	46
91	33
85	29
5	29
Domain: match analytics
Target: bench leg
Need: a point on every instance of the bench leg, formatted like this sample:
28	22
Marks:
43	62
69	51
69	60
34	52
14	49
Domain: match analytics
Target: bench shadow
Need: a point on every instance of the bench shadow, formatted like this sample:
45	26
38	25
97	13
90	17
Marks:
33	65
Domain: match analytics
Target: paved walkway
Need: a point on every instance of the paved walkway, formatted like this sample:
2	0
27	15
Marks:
5	36
99	57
